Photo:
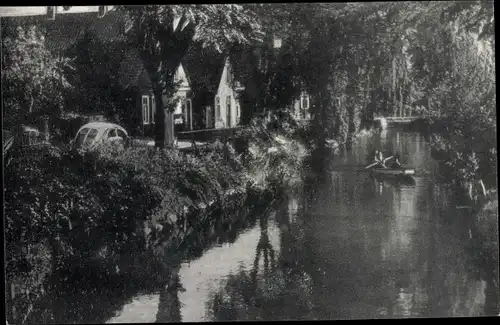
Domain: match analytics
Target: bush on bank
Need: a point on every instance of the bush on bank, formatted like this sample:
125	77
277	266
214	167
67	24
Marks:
275	151
467	152
64	209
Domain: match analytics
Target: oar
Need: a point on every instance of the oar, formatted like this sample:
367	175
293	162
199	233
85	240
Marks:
388	158
375	163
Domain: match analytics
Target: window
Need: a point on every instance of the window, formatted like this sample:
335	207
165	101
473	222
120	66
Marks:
90	137
111	133
189	113
183	107
153	109
305	102
121	134
237	109
145	109
81	137
228	111
217	107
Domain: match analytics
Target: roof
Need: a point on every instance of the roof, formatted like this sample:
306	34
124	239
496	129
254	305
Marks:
101	125
204	68
236	83
133	74
66	29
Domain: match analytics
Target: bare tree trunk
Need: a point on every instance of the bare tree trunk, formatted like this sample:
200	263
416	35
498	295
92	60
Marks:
160	120
169	128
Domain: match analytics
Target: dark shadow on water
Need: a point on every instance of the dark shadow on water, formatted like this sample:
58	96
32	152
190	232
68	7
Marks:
94	294
483	253
277	287
169	307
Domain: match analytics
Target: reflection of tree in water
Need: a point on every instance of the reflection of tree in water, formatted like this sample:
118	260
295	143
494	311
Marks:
169	307
75	301
483	255
279	292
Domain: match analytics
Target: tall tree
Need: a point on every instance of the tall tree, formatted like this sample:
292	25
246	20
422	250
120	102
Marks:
163	34
32	78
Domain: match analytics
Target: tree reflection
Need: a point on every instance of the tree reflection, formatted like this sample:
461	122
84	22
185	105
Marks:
169	308
275	287
483	253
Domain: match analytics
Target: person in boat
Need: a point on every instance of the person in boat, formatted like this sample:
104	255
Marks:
395	162
379	159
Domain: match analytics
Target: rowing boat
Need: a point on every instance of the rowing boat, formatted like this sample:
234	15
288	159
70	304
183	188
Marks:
406	180
394	171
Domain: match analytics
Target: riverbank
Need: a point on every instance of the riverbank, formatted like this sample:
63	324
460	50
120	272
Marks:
404	236
89	212
465	148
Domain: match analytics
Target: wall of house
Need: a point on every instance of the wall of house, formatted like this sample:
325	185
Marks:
225	94
183	95
183	90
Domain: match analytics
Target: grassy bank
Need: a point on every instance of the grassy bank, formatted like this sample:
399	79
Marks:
66	213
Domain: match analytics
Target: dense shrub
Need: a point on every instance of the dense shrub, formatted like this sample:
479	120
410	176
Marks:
467	151
70	199
275	152
61	209
97	206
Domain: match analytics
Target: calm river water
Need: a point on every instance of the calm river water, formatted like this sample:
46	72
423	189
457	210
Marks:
350	246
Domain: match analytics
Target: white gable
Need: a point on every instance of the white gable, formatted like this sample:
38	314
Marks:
223	78
180	75
223	83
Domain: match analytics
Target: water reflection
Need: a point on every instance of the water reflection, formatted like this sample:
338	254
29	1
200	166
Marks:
351	245
345	245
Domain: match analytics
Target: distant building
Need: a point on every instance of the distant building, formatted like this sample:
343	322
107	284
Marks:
301	107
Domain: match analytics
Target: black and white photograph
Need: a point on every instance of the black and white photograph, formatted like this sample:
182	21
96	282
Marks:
249	162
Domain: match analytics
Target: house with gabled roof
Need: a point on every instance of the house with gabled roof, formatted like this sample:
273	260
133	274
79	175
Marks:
135	80
204	67
227	103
